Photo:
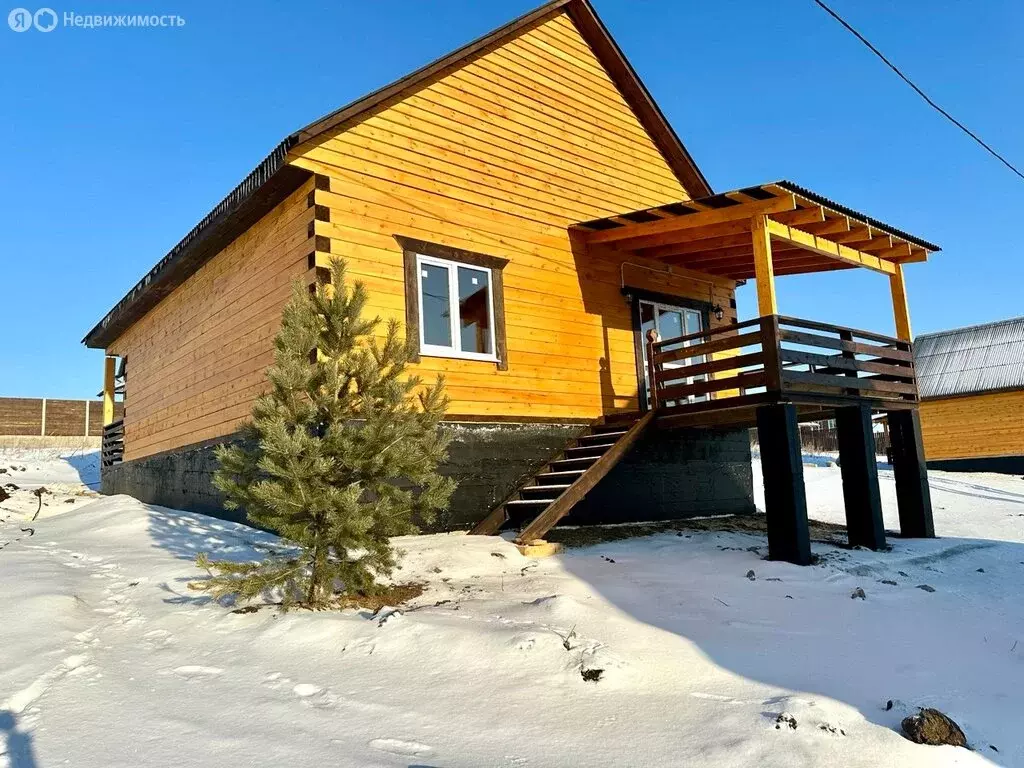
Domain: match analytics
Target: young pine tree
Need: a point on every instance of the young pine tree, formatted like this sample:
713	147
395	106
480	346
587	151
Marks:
331	451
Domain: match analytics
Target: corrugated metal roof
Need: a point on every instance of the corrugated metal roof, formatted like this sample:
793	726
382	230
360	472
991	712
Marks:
963	361
822	200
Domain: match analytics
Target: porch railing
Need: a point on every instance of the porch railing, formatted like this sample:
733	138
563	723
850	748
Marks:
112	447
778	358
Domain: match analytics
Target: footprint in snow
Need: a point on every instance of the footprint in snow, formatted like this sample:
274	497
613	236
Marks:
523	641
315	696
714	697
400	747
157	639
197	672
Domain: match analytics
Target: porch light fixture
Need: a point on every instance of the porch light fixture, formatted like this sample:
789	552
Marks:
719	312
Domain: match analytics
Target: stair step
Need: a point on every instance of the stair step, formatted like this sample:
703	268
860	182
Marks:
601	438
533	503
604	429
586	450
552	491
552	478
565	464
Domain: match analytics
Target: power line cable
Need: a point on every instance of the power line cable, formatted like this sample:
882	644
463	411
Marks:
920	93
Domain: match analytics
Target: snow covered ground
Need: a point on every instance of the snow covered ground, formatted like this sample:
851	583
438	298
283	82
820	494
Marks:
107	659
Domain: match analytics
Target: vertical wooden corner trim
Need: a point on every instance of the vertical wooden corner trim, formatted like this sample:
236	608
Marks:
500	342
412	305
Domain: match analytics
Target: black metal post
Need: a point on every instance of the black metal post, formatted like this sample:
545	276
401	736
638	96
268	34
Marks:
908	464
785	500
863	501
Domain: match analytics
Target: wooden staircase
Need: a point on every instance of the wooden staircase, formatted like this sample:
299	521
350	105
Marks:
537	505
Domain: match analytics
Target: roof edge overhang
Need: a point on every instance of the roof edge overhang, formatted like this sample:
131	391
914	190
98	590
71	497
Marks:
264	188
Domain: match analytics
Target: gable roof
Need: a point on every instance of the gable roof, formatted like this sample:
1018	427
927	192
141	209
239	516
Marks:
971	360
274	179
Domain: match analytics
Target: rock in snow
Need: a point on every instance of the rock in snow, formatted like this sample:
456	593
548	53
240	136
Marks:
929	726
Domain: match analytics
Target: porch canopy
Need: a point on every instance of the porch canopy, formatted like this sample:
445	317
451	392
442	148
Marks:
760	232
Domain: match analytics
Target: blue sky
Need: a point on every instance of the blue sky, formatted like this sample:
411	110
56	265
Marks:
119	140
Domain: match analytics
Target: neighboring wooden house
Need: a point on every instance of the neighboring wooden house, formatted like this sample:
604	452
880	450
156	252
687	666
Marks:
972	397
525	208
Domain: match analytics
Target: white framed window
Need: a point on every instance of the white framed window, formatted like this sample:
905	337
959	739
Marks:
456	309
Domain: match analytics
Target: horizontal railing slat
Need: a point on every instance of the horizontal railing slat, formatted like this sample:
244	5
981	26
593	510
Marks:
720	345
816	340
839	363
815	325
748	380
847	382
716	366
708	333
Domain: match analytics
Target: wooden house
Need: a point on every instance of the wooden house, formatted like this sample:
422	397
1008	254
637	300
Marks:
524	207
972	397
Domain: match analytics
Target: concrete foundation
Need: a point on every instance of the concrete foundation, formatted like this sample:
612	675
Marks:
1007	465
674	474
667	475
489	461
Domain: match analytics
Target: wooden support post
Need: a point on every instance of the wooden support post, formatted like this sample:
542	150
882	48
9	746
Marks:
763	269
908	464
652	370
42	428
785	500
900	306
109	364
861	495
770	353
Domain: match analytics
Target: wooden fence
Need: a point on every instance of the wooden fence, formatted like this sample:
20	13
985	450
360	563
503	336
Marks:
46	417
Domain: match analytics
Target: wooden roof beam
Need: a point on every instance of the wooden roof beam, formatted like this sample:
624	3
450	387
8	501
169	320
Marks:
720	261
917	254
829	248
806	269
637	244
858	234
880	243
801	216
690	221
696	246
898	252
831	226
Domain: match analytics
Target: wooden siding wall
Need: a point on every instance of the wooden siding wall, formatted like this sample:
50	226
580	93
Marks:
974	426
198	359
500	157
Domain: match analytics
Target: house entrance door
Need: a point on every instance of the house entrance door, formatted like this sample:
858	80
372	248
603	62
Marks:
670	322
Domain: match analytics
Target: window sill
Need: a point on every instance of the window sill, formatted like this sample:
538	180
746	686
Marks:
456	355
